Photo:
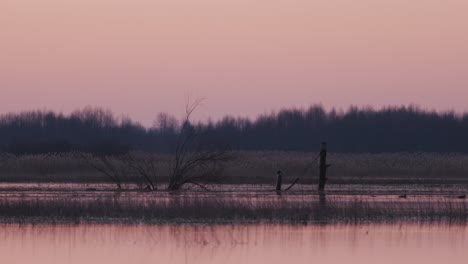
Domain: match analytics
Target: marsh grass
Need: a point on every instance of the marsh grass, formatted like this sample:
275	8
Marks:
354	168
205	209
260	167
67	168
255	170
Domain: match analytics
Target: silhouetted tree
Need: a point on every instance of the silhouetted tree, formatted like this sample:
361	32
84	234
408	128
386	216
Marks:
391	129
194	161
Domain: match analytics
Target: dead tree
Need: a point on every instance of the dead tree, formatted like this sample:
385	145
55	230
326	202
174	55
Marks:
279	182
279	178
193	161
106	165
145	165
323	167
292	184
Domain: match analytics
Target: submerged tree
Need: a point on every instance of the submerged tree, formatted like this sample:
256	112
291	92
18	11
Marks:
110	166
146	167
194	160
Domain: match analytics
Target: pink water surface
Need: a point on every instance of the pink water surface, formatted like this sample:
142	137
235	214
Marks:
234	244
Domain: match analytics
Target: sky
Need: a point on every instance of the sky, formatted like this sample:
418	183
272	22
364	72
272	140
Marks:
244	57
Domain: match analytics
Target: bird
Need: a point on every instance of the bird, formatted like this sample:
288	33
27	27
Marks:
403	196
462	196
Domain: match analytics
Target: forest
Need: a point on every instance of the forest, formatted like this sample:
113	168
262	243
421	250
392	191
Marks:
356	130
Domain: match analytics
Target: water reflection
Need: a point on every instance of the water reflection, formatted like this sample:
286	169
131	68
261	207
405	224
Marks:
404	243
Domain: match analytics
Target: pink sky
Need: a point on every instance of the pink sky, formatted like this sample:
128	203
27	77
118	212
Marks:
245	57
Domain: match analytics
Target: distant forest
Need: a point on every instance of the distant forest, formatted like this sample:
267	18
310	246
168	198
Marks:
391	129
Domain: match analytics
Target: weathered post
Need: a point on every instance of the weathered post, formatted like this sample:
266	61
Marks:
279	179
323	167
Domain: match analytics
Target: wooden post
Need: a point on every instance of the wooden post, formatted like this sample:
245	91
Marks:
279	180
323	167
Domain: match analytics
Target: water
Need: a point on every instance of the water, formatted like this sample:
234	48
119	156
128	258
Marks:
336	189
373	243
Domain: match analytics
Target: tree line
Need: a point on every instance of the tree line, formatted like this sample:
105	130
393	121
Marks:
390	129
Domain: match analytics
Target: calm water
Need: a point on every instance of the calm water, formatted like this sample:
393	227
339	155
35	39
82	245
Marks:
115	244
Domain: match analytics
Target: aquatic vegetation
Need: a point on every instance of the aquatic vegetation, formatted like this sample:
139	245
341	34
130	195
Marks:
228	208
255	167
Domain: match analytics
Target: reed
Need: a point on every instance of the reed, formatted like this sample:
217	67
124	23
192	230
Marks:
258	167
199	208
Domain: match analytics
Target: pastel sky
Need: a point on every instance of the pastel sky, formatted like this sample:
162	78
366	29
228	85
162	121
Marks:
245	57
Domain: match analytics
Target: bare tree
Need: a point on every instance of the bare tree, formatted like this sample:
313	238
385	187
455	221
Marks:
193	161
110	166
165	123
146	167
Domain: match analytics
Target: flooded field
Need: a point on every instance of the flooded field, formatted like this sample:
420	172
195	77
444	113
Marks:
363	244
100	203
9	188
376	208
250	168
